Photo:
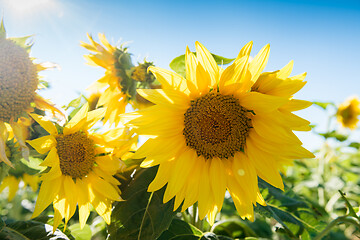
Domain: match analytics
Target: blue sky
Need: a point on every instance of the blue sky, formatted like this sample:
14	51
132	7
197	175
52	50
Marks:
322	37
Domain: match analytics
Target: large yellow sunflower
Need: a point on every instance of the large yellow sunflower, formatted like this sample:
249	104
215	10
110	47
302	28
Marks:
219	129
348	112
18	85
81	167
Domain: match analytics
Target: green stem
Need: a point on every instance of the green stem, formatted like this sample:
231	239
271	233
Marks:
335	222
186	217
146	211
194	218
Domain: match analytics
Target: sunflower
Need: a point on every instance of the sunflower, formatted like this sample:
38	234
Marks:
219	129
12	182
114	99
121	78
19	82
80	167
348	112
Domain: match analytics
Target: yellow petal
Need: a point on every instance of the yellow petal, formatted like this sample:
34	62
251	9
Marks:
83	200
31	180
203	79
265	165
43	144
190	70
261	103
169	79
192	186
102	206
285	71
20	136
162	176
13	187
208	62
287	88
165	97
245	174
258	64
218	181
273	131
46	124
52	159
3	156
182	168
47	194
296	105
245	51
94	116
292	151
205	199
103	187
78	121
70	195
107	163
236	77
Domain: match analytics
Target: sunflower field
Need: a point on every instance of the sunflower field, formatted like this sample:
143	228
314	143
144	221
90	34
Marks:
206	150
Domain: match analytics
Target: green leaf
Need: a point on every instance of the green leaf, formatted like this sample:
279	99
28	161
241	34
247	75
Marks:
222	60
334	134
142	215
184	237
354	145
81	234
285	200
209	236
75	103
324	105
2	224
179	228
234	228
33	230
33	163
178	63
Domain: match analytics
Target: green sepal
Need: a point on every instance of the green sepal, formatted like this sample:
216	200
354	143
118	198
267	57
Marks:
23	42
2	30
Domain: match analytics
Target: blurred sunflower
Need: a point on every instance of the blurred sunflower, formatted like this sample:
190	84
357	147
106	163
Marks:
81	167
12	182
217	130
121	78
19	82
348	112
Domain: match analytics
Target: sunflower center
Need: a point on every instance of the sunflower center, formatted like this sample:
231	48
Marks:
18	80
216	125
76	153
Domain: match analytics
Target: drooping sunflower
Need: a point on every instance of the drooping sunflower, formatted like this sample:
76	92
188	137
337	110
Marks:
18	86
348	113
81	167
114	99
121	78
219	129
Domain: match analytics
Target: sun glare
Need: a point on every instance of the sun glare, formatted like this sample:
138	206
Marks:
26	8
